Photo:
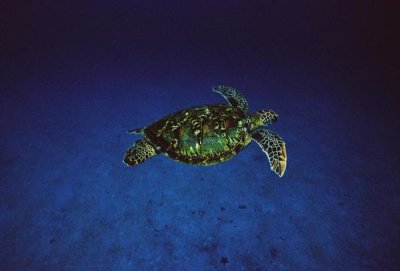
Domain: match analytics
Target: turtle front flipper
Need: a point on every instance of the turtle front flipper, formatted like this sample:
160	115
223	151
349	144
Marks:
233	96
274	147
139	152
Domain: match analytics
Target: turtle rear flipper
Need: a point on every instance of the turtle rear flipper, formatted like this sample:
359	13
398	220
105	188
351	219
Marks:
274	147
136	131
233	96
139	152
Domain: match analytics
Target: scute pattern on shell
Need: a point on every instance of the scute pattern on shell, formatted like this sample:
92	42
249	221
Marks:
201	135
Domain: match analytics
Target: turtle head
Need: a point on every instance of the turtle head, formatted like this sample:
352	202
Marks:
263	118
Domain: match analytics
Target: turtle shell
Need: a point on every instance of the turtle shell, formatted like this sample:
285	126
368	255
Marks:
202	135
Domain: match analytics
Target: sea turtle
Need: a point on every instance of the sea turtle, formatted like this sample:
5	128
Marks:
210	134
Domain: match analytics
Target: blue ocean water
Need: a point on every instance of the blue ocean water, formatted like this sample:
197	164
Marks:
75	76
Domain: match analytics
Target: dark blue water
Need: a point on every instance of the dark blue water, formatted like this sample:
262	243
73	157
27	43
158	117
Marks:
76	75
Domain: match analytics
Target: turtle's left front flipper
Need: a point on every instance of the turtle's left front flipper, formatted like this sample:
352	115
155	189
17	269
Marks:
139	152
234	97
274	147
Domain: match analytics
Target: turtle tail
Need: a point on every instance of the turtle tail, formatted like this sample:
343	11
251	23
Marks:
136	131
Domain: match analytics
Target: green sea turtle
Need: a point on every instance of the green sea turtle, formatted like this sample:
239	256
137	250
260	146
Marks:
210	134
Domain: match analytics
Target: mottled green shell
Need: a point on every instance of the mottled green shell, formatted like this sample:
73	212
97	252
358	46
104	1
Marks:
201	135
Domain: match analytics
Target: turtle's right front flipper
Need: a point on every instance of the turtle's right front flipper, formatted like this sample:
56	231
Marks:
274	147
139	152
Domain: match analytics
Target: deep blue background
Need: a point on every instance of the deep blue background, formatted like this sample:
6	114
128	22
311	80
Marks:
75	75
